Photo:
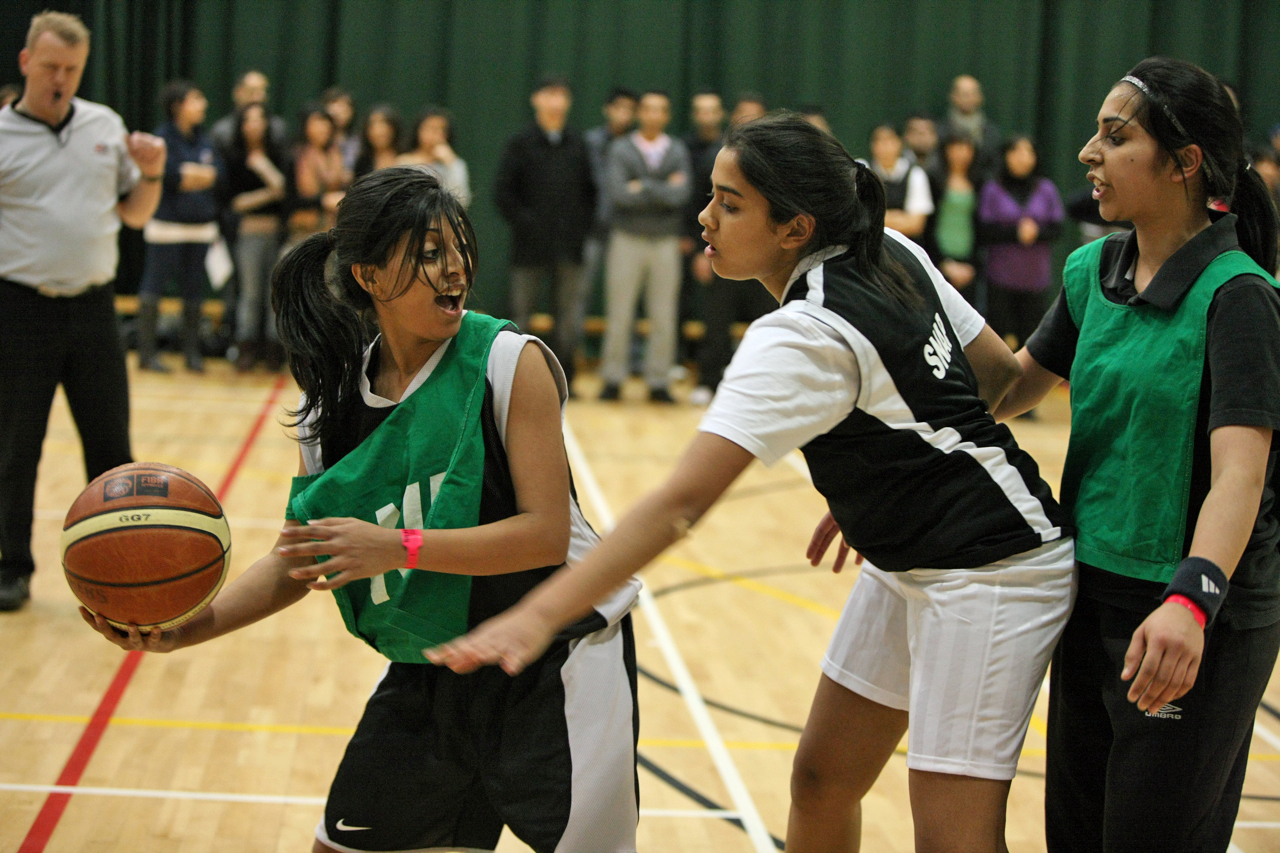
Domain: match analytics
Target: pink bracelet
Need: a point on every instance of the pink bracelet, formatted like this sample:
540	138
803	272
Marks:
1196	612
412	540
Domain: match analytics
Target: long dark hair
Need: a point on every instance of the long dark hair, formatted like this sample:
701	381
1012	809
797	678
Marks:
1181	104
800	169
325	322
240	148
389	114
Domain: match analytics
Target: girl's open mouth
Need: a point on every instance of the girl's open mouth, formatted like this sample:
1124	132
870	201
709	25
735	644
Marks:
451	302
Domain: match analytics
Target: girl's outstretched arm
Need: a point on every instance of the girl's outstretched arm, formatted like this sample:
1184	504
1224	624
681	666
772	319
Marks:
514	638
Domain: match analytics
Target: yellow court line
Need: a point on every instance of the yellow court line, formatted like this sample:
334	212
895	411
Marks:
753	585
653	743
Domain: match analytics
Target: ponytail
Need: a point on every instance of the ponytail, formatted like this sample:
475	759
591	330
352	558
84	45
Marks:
323	334
800	169
1257	228
867	239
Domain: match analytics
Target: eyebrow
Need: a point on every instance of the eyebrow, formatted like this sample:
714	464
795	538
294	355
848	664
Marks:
1112	119
730	190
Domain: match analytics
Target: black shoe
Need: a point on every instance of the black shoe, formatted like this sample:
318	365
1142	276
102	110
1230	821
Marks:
14	592
611	392
660	395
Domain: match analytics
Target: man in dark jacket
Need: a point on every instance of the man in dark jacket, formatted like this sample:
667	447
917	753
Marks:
544	189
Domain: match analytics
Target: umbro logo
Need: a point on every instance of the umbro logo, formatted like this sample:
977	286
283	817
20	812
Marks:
1209	586
342	824
1168	712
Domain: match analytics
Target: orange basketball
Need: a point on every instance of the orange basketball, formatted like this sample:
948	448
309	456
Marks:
146	544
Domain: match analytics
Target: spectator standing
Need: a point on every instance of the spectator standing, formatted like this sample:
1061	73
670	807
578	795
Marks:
920	134
619	112
648	183
319	179
951	233
433	141
253	87
1019	215
908	200
341	108
379	140
966	116
69	175
255	190
184	226
545	191
707	117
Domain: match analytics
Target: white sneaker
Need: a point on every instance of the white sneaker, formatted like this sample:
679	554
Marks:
700	396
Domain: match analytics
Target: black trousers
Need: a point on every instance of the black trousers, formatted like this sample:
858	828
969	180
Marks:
1120	779
723	304
46	341
1014	312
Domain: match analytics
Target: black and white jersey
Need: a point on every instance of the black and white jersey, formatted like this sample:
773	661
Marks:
913	467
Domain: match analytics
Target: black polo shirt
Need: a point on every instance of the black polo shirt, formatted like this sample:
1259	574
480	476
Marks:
1240	387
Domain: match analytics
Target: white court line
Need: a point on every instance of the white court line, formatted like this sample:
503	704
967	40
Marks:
744	806
272	799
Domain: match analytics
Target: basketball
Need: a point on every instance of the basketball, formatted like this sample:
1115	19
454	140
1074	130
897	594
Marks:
146	544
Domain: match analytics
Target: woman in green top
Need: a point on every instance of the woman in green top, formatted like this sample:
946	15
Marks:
1170	337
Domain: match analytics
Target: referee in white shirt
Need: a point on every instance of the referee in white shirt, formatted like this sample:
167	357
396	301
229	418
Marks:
69	175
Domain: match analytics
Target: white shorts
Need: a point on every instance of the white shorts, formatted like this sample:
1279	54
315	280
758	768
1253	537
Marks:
963	651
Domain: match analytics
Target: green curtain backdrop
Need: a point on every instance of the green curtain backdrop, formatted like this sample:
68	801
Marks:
1045	64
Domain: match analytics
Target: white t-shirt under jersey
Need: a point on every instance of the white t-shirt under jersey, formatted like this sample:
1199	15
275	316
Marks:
794	378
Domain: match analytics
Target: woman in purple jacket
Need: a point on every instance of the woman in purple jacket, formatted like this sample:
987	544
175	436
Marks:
1019	215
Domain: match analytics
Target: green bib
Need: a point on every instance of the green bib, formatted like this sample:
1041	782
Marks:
1135	394
423	467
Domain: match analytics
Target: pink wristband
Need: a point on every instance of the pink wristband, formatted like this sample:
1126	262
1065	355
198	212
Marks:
412	540
1196	612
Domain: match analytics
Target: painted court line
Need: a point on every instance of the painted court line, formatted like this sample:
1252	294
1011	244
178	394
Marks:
275	799
56	803
744	807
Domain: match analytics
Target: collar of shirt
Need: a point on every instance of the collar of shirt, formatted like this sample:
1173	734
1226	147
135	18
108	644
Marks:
808	262
654	151
56	128
1178	273
899	172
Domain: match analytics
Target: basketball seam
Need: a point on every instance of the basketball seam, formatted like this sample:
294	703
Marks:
140	508
116	584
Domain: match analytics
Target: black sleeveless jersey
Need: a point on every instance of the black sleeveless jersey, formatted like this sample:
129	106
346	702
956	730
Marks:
919	475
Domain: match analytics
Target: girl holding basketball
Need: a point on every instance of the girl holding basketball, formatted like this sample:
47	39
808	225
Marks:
433	479
1170	336
882	373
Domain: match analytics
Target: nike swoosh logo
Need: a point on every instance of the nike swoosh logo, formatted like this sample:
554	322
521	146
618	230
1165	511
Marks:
342	824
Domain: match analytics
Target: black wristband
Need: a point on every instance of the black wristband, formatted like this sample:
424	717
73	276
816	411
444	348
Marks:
1201	581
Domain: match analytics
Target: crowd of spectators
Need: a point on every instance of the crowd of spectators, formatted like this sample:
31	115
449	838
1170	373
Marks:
614	207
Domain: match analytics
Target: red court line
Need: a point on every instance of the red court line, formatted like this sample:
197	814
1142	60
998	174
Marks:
56	803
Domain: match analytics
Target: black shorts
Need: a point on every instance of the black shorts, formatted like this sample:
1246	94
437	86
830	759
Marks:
1121	780
444	761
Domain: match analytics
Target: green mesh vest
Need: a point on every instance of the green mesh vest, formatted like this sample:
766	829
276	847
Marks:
1135	392
423	467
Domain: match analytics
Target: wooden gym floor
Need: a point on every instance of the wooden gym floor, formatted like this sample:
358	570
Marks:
230	746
